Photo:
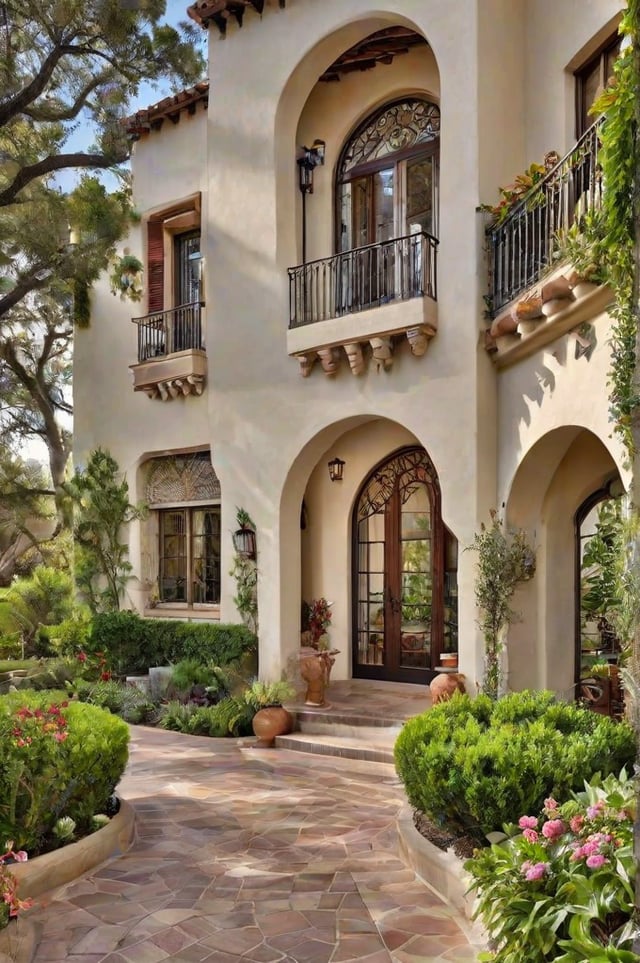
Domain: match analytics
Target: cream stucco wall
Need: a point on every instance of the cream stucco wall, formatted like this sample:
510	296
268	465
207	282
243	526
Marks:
497	69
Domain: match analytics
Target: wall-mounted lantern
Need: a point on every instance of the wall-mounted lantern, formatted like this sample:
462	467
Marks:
336	469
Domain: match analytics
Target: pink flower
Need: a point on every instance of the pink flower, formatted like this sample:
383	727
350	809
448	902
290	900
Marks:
553	829
535	871
594	811
576	823
596	861
530	835
81	657
20	856
550	803
60	736
528	822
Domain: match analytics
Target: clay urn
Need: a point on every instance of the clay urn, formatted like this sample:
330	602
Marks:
270	722
444	686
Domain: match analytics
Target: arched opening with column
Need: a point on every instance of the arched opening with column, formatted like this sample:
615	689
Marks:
560	472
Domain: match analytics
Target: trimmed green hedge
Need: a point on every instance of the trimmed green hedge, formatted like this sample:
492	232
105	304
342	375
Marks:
56	759
474	764
131	644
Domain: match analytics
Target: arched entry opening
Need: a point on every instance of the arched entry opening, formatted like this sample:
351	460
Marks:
598	523
404	572
557	476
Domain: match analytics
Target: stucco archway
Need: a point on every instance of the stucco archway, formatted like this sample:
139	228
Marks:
551	482
308	109
316	561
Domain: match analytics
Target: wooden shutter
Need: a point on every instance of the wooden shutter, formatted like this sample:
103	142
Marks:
155	266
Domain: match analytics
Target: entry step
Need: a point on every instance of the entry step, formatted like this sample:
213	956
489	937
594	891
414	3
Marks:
379	749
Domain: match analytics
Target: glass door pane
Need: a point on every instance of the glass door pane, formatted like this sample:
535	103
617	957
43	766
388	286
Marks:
370	590
415	579
420	206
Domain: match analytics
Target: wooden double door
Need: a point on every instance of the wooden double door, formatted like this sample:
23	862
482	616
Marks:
402	613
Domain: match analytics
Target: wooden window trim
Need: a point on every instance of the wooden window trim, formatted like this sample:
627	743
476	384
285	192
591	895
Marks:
160	227
188	511
598	57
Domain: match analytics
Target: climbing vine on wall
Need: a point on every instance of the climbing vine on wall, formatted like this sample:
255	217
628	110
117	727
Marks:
614	230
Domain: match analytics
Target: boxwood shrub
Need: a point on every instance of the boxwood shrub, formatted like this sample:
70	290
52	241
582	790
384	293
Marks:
474	764
56	759
131	644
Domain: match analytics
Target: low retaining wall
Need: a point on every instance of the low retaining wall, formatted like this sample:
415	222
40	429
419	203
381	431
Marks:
443	873
48	872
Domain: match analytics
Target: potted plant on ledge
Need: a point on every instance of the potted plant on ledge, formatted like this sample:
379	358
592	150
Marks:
271	719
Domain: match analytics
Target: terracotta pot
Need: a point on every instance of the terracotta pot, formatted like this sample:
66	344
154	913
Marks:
443	686
449	660
270	722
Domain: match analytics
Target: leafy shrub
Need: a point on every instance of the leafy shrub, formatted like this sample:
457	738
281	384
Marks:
69	636
560	887
473	765
59	760
44	598
126	701
51	674
231	716
132	644
10	646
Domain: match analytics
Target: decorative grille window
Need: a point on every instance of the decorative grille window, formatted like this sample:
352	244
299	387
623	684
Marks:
190	555
397	127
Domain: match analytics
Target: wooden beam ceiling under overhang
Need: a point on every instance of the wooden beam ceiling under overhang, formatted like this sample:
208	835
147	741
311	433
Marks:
378	48
206	12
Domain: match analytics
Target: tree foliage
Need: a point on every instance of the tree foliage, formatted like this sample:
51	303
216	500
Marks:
66	65
102	510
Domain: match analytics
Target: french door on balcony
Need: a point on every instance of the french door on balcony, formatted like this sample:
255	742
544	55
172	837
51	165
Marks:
404	573
387	189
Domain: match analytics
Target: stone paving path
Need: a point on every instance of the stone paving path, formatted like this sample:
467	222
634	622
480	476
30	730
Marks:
254	855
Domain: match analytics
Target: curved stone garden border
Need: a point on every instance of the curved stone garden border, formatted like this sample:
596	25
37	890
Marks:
442	872
52	870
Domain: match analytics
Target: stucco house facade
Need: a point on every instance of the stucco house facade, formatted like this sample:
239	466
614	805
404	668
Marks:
316	273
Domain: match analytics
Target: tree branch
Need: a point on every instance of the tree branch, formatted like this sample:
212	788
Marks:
55	162
16	105
27	283
49	115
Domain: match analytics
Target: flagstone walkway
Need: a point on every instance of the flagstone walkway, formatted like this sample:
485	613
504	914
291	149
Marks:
255	855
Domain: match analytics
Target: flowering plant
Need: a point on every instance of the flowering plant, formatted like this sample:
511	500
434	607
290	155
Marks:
559	886
95	665
319	621
10	905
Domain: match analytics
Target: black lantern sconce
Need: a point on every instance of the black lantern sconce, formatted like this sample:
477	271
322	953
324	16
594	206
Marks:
308	159
244	542
336	469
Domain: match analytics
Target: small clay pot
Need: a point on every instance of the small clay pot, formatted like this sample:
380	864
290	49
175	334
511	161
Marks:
270	722
449	660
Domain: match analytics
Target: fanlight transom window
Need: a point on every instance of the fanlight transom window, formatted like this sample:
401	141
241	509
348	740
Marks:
387	183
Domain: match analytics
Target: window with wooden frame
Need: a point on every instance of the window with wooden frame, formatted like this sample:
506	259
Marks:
387	181
174	256
592	78
190	555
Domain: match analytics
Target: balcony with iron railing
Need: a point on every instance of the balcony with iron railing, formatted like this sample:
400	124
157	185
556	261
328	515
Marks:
363	298
172	360
527	276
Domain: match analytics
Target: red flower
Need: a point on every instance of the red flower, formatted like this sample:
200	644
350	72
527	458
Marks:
81	657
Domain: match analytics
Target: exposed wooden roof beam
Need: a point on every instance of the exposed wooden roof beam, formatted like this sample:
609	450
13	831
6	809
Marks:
206	12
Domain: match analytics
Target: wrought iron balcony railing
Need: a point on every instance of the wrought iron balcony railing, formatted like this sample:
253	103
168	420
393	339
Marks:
366	277
524	244
166	332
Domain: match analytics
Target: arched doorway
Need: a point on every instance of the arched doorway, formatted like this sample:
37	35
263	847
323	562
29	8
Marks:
598	526
404	565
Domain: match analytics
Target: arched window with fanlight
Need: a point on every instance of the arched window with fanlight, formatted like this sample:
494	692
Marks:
387	204
387	181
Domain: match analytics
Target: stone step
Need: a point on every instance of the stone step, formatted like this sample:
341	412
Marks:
353	719
379	750
361	728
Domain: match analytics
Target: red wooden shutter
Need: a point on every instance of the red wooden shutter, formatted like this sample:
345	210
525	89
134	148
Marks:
155	266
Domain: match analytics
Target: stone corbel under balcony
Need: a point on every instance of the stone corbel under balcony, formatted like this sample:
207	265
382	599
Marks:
367	337
546	312
173	376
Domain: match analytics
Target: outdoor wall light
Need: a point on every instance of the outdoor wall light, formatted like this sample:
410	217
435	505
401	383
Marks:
336	469
309	158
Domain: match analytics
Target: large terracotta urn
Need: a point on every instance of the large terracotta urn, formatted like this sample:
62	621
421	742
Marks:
270	722
444	686
314	672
